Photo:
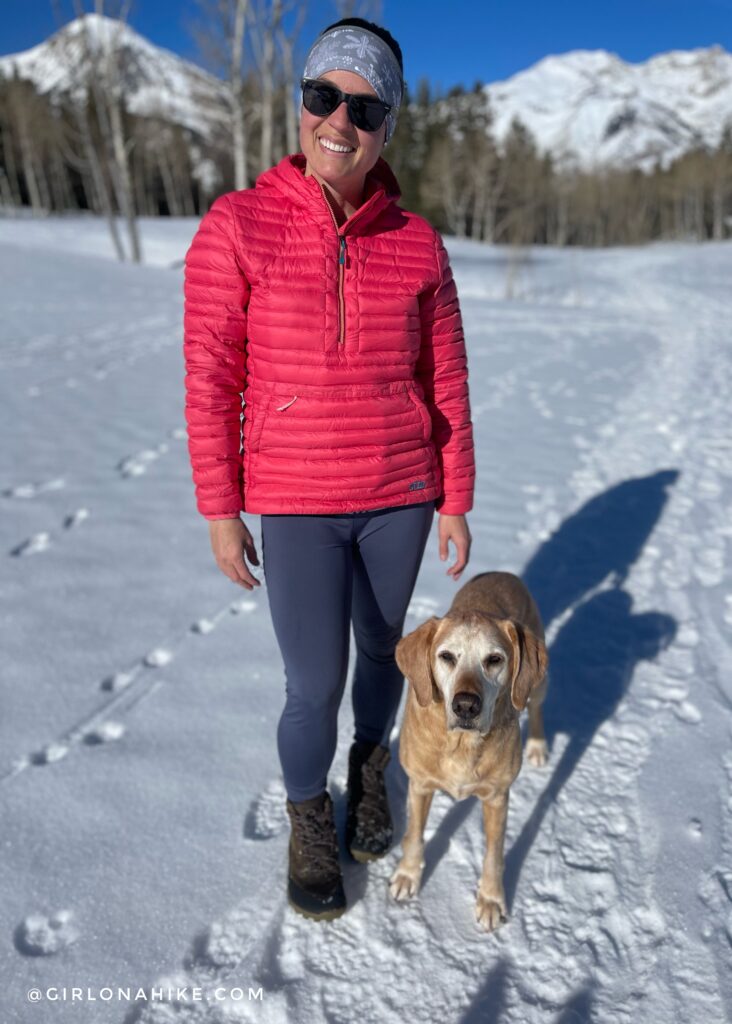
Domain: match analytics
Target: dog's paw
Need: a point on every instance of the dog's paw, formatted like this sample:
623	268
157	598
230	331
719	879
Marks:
490	913
537	752
404	883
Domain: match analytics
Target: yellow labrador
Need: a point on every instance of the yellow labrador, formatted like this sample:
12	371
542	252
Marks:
470	674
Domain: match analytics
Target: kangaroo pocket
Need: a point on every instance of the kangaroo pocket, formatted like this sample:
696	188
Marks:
331	425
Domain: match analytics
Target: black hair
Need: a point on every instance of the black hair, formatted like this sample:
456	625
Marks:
377	30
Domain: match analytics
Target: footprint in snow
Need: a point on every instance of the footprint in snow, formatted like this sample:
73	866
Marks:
39	935
34	545
118	681
158	657
243	606
31	490
267	814
136	465
694	828
107	732
203	626
687	712
75	518
51	753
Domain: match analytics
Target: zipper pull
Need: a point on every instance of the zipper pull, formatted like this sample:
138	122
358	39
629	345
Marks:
342	256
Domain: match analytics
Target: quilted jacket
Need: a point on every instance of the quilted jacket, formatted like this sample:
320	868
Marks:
346	344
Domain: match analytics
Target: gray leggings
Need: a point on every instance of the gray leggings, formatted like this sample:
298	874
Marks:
319	569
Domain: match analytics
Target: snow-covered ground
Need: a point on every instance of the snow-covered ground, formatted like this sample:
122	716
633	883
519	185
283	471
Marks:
144	829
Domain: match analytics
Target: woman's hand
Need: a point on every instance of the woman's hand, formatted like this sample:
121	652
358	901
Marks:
454	528
230	539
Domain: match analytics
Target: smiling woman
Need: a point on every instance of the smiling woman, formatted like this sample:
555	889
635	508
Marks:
335	312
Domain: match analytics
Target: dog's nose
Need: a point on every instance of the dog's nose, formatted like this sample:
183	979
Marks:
466	705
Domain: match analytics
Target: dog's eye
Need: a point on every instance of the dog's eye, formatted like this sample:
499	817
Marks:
448	657
494	659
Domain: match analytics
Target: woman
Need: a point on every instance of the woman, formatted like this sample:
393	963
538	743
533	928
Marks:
335	312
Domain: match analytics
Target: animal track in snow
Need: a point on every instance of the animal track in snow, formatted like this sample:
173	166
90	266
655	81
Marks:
31	490
39	935
40	542
136	465
127	687
207	625
34	545
158	657
105	732
75	518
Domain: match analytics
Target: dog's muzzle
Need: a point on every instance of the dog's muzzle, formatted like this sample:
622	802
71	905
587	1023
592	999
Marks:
466	707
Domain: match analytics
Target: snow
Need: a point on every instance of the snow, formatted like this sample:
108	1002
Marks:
591	108
145	833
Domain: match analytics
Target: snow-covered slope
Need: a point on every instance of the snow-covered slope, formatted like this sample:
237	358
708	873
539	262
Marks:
144	836
156	82
595	108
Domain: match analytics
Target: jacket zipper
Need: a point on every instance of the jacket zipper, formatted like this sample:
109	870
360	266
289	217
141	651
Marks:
341	271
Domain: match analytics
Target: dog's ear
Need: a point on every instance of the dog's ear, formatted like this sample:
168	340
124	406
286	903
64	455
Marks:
413	658
529	661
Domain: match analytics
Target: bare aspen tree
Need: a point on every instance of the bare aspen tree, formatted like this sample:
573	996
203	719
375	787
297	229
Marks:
110	98
84	98
267	16
20	98
238	122
221	39
721	181
286	41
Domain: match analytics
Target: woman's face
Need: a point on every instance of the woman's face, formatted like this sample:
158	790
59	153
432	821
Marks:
343	171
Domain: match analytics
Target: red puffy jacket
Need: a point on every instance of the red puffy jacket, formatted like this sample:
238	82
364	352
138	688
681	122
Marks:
346	342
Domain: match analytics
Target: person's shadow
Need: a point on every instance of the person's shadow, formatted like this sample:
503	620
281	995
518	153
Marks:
594	655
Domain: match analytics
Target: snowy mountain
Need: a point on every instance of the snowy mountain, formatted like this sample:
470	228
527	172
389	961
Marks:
596	109
588	107
156	81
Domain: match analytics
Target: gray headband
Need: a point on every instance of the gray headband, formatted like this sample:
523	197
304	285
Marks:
350	48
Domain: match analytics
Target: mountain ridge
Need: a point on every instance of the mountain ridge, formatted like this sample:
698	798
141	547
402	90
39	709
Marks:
588	108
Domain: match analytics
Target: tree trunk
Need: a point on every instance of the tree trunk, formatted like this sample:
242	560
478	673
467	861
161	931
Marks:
238	124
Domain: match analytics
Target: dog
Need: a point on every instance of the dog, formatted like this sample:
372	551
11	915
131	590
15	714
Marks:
470	674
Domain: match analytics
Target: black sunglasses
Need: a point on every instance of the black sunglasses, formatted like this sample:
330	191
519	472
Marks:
321	98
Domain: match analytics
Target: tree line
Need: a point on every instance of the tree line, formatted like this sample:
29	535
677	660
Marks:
85	149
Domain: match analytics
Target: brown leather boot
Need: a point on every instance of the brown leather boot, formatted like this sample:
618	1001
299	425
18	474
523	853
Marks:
369	828
315	883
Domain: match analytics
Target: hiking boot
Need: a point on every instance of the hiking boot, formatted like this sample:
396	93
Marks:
369	828
314	883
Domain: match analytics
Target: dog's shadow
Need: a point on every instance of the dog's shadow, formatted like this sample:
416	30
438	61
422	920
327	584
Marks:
594	655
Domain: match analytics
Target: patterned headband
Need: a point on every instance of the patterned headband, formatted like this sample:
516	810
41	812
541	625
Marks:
350	48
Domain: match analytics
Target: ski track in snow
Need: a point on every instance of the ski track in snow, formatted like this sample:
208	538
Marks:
587	937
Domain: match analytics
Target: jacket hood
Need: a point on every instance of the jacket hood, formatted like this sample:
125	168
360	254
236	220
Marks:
288	176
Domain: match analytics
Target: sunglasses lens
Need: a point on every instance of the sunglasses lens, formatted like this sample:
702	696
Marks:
366	114
321	99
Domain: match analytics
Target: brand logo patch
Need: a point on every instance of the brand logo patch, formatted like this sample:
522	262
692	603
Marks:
417	485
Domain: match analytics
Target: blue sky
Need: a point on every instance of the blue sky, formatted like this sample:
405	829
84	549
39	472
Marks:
449	41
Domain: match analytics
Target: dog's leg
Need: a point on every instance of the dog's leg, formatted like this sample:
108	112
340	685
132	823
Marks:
490	905
404	883
537	751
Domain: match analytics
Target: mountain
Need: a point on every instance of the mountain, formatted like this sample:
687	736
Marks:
587	107
593	108
156	81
